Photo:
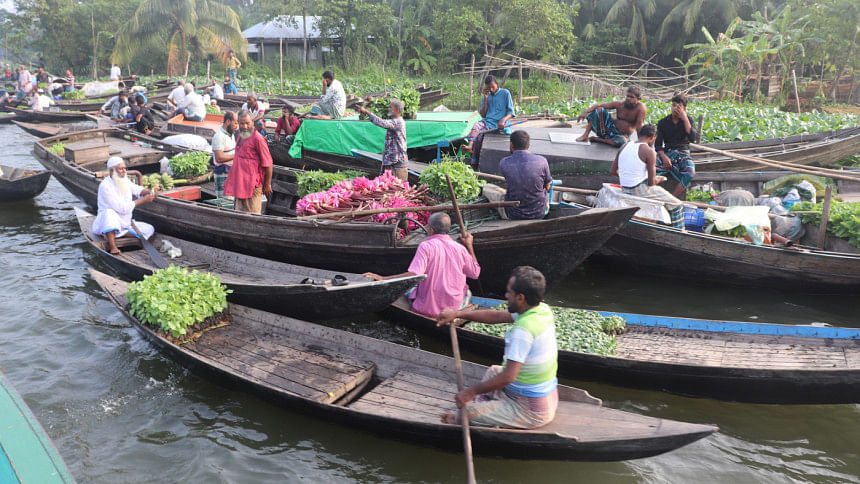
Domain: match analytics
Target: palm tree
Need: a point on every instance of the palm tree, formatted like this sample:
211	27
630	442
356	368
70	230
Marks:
187	26
639	12
691	14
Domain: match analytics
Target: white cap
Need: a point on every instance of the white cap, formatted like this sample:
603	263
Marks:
114	161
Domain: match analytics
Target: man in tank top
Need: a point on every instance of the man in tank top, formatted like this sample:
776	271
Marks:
635	166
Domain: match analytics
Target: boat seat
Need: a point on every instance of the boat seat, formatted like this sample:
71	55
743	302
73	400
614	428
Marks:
121	243
281	361
410	396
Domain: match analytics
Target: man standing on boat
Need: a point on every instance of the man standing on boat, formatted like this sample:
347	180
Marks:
394	153
251	175
528	181
497	107
116	203
115	73
233	66
224	150
446	263
629	116
522	393
25	82
635	166
675	132
332	104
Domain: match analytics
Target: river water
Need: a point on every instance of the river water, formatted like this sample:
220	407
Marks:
119	411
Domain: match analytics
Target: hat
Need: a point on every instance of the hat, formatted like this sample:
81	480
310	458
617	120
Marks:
113	161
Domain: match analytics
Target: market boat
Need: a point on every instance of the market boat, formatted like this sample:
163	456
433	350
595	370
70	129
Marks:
91	107
724	360
49	116
26	452
352	246
397	391
46	130
260	283
20	184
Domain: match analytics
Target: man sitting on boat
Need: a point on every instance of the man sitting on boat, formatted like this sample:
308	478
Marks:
192	108
116	203
223	150
497	107
215	91
288	125
177	96
528	180
675	132
251	175
522	393
144	122
253	106
332	104
394	152
629	116
635	166
229	87
446	263
117	106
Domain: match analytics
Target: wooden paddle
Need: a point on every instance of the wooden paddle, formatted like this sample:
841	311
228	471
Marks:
157	259
464	416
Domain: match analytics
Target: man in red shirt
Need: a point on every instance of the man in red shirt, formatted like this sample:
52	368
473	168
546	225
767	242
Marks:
251	175
288	125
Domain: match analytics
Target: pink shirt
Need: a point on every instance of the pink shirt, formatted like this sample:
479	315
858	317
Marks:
447	264
252	155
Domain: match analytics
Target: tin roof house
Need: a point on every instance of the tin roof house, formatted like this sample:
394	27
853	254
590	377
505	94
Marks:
267	39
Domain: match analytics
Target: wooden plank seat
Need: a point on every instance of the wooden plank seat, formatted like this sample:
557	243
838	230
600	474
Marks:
410	395
274	359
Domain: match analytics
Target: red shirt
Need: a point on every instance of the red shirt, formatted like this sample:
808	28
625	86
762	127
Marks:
252	156
282	125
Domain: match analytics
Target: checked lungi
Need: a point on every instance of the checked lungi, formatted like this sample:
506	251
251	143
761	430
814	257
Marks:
608	130
672	204
682	170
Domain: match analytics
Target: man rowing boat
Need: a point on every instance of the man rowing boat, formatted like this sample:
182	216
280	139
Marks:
116	204
522	393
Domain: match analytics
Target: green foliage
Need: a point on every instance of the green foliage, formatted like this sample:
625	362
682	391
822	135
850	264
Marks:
73	95
411	100
174	299
190	164
463	178
844	220
699	196
210	109
575	330
314	181
58	148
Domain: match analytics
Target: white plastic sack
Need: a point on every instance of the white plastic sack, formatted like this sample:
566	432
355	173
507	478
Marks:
189	141
753	219
96	88
808	187
613	197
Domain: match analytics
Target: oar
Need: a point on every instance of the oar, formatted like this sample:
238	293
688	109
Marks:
157	259
464	416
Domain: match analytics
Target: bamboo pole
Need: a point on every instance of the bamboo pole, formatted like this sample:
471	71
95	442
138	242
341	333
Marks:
464	417
374	211
796	96
471	80
825	216
520	68
779	164
281	54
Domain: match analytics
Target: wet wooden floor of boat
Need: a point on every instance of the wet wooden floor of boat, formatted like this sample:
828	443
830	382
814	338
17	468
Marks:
737	350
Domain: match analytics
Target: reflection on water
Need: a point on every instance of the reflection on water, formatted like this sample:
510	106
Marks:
121	412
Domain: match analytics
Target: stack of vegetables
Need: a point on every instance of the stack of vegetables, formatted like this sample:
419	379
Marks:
190	164
384	191
844	220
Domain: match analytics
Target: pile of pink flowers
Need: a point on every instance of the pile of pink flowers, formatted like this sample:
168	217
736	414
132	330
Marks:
384	191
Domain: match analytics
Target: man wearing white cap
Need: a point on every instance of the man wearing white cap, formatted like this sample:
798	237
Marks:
116	203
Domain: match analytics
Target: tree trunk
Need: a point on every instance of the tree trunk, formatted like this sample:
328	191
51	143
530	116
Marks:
95	48
305	34
399	33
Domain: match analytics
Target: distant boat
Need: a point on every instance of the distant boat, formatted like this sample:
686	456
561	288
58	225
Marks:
20	184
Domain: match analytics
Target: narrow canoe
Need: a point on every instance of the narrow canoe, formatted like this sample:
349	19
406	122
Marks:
260	283
49	116
724	360
397	391
26	452
7	118
20	184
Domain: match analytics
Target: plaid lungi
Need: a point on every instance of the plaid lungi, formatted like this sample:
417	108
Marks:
672	204
683	169
608	130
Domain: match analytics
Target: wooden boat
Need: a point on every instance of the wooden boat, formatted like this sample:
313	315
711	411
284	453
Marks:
20	184
397	391
46	130
206	128
353	246
7	118
92	107
48	116
260	283
27	454
724	360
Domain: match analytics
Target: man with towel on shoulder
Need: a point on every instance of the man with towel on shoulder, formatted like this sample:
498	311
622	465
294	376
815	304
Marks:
116	202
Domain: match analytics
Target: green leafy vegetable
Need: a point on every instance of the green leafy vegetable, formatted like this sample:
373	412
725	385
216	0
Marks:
73	95
191	164
844	220
699	196
58	148
210	109
319	181
466	184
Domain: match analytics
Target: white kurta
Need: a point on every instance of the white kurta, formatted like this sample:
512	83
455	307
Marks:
115	210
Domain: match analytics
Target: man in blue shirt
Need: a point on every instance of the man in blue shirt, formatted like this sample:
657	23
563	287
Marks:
229	87
497	108
528	180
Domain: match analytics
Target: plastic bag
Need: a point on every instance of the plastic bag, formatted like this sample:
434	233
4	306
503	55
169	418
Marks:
805	185
97	88
788	226
189	141
753	219
773	203
791	198
735	198
164	166
613	197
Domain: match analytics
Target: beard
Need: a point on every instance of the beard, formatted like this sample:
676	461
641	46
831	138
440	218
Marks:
630	105
123	185
245	134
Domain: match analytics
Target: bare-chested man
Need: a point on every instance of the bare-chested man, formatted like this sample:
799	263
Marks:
630	115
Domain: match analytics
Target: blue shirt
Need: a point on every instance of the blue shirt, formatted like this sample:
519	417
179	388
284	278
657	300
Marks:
230	88
526	176
500	105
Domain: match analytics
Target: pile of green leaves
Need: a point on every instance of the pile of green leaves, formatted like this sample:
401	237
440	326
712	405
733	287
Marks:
190	164
844	220
699	196
314	181
58	148
411	101
210	109
575	330
463	178
174	299
73	95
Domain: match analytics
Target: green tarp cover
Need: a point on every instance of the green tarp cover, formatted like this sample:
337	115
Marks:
347	134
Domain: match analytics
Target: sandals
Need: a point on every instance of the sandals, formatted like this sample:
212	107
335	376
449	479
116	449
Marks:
337	280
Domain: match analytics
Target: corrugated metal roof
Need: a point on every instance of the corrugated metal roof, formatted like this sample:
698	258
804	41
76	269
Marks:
285	27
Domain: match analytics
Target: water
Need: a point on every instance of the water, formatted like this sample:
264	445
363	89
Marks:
118	411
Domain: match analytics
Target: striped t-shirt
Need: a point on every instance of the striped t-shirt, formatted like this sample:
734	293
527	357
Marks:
531	341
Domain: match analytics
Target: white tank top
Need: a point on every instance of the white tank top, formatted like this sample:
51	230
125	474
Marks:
631	169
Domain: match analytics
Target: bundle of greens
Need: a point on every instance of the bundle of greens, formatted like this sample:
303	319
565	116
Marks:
463	178
411	102
190	164
319	181
73	95
58	148
175	300
844	220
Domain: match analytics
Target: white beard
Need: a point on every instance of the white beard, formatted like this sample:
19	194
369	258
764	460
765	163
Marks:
245	134
123	185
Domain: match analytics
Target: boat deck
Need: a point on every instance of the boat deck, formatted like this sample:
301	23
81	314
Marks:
737	351
278	361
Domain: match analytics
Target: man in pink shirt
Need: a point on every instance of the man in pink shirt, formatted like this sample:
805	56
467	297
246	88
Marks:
446	263
251	175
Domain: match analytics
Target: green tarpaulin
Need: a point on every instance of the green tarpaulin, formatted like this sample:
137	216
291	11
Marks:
344	135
